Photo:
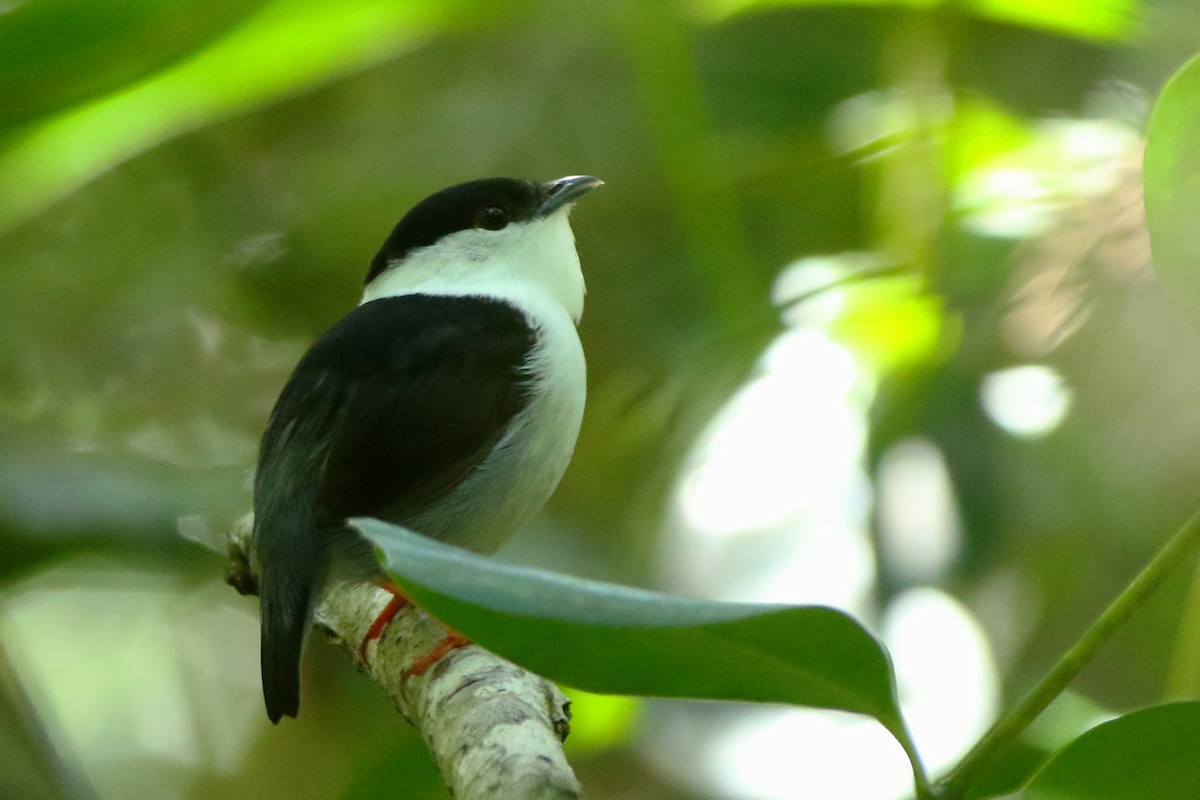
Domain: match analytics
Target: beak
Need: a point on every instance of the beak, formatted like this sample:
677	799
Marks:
564	191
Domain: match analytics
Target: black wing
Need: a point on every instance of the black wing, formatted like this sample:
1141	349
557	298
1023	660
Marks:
395	405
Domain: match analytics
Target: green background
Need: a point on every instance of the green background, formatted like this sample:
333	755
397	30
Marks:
190	193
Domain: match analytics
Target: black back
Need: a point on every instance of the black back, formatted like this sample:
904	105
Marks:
395	404
390	409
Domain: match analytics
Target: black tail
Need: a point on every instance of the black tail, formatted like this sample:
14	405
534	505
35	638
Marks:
286	610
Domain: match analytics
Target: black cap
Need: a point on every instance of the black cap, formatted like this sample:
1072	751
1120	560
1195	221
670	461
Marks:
490	203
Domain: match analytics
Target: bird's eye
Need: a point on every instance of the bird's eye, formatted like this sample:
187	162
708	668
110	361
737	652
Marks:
493	218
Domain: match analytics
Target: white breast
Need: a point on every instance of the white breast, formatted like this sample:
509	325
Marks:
519	475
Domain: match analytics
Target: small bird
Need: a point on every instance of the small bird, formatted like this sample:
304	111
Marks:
448	401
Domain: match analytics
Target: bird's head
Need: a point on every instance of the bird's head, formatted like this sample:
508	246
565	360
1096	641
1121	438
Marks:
496	236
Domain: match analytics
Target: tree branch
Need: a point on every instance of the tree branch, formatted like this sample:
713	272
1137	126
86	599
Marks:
1013	723
495	729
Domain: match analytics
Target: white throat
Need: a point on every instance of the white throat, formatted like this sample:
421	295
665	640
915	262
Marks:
526	264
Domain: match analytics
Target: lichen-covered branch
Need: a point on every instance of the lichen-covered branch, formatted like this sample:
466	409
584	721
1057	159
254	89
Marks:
495	729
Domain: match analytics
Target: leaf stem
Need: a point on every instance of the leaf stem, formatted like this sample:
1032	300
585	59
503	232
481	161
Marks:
899	729
1183	676
1010	726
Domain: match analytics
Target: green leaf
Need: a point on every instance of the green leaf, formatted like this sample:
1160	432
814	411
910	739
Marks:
1066	719
1171	173
614	639
1150	753
287	47
1097	20
54	53
1085	19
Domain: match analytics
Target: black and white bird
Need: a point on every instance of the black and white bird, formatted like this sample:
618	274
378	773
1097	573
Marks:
448	402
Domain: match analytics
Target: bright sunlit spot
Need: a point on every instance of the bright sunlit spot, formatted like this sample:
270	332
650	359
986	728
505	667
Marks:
801	289
918	517
871	123
1019	193
1010	202
776	485
759	758
1028	401
949	688
774	506
768	453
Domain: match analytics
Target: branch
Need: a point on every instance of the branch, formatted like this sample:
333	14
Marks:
1006	730
495	730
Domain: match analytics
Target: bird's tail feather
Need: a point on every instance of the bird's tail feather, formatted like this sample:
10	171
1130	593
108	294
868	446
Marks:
286	597
284	624
293	559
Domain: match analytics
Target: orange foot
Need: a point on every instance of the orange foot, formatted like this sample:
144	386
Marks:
453	641
385	616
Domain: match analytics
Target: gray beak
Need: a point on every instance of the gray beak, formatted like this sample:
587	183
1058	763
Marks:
564	191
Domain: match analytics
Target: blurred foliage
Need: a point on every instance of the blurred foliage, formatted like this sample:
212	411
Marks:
1173	189
190	192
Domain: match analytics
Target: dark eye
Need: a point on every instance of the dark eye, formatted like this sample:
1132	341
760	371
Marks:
493	218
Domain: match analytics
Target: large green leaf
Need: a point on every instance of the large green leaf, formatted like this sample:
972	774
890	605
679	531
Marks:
57	52
614	639
286	47
1150	753
1172	181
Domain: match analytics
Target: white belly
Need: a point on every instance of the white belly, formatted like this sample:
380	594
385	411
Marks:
519	475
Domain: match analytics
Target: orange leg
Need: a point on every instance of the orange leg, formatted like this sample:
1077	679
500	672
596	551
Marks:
385	616
453	641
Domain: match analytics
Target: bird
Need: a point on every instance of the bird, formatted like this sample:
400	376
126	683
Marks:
448	401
